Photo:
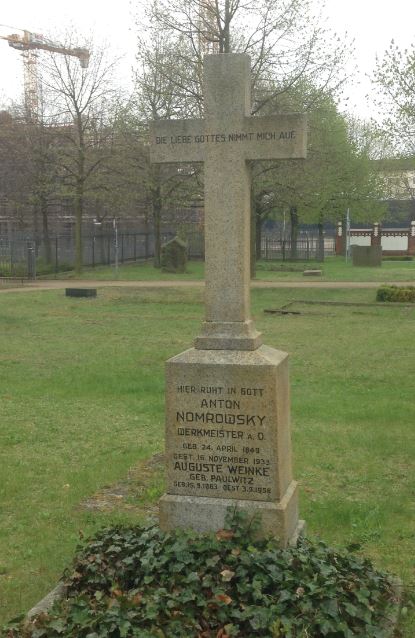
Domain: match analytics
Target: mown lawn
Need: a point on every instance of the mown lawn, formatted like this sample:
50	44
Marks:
334	269
81	401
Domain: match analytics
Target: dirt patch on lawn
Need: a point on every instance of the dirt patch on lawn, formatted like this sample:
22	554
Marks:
138	492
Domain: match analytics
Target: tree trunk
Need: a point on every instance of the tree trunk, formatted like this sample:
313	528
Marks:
225	46
79	202
79	195
320	245
156	205
252	237
294	232
258	233
45	231
36	226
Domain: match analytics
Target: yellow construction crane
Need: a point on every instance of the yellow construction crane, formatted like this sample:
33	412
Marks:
27	44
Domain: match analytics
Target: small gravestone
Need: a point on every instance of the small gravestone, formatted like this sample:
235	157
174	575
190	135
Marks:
174	256
228	442
81	292
367	256
312	273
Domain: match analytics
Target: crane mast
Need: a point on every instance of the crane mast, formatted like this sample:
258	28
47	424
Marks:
28	44
207	27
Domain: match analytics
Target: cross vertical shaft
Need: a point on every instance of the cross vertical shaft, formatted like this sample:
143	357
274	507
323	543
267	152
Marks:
225	141
227	209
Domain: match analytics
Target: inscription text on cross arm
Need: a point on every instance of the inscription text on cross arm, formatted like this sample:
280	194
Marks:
274	137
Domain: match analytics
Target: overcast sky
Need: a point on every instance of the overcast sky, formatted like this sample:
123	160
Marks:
371	23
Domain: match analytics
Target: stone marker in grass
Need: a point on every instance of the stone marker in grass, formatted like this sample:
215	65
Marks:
367	256
80	292
228	437
174	256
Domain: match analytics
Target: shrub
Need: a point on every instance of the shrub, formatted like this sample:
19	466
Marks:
405	294
397	258
138	582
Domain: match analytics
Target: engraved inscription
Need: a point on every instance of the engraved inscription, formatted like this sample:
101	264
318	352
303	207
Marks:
220	442
226	138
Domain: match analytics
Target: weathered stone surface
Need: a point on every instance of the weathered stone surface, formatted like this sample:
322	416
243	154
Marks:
228	437
225	141
227	399
259	138
174	255
367	256
45	605
279	520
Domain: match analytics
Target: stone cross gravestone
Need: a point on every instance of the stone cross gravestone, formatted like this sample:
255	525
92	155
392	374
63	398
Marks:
227	399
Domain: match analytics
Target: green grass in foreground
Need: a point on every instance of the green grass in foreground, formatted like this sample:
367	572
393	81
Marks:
334	269
81	400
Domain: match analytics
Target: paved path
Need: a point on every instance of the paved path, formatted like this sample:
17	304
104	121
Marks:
59	284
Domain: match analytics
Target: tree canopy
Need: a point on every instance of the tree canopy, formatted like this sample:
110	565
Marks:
394	80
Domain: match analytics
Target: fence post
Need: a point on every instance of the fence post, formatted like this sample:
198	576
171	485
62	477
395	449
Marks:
56	256
283	249
146	245
93	251
122	248
31	260
376	236
11	257
135	246
339	239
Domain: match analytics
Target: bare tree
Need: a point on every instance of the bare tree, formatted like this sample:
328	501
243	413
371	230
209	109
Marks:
286	39
29	170
290	50
79	99
159	96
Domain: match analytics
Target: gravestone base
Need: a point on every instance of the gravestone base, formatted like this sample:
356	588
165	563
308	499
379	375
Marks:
279	520
228	441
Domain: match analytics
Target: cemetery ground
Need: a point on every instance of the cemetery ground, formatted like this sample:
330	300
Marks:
334	269
82	395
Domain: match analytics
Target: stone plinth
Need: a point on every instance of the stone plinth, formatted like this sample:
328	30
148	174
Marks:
367	256
228	440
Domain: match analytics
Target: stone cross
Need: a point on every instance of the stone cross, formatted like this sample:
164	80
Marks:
226	140
227	400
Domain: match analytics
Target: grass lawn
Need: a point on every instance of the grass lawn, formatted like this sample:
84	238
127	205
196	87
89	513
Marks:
81	401
334	269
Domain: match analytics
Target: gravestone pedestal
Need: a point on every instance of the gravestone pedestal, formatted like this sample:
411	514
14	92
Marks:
228	441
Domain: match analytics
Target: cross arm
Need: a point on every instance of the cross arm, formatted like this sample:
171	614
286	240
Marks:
176	141
281	136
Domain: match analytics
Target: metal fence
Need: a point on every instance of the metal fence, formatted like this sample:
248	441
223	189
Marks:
21	257
109	248
17	259
308	248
